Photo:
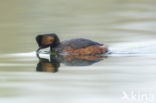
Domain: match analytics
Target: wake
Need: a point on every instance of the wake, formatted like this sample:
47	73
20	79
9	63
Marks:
144	48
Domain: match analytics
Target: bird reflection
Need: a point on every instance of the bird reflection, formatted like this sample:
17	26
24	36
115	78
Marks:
52	65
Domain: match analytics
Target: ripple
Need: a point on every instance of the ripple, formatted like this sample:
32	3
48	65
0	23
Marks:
142	48
14	65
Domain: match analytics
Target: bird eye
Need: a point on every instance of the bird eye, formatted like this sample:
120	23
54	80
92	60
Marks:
42	43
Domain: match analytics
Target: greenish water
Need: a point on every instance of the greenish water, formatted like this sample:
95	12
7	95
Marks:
126	26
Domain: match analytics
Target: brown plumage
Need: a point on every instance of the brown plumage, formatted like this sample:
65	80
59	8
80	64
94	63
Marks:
79	46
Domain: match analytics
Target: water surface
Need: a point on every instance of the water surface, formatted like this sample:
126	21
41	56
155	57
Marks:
126	26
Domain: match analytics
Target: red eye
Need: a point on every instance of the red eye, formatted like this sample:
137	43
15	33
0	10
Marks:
42	43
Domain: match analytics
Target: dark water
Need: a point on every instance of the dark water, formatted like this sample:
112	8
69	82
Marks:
126	75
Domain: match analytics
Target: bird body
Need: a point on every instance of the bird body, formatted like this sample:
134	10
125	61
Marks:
78	46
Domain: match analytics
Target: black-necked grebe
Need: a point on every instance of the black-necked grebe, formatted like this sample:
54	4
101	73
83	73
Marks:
79	46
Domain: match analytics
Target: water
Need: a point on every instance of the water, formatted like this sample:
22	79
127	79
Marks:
126	75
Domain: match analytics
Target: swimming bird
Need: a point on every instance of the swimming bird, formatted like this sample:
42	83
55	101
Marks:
78	46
